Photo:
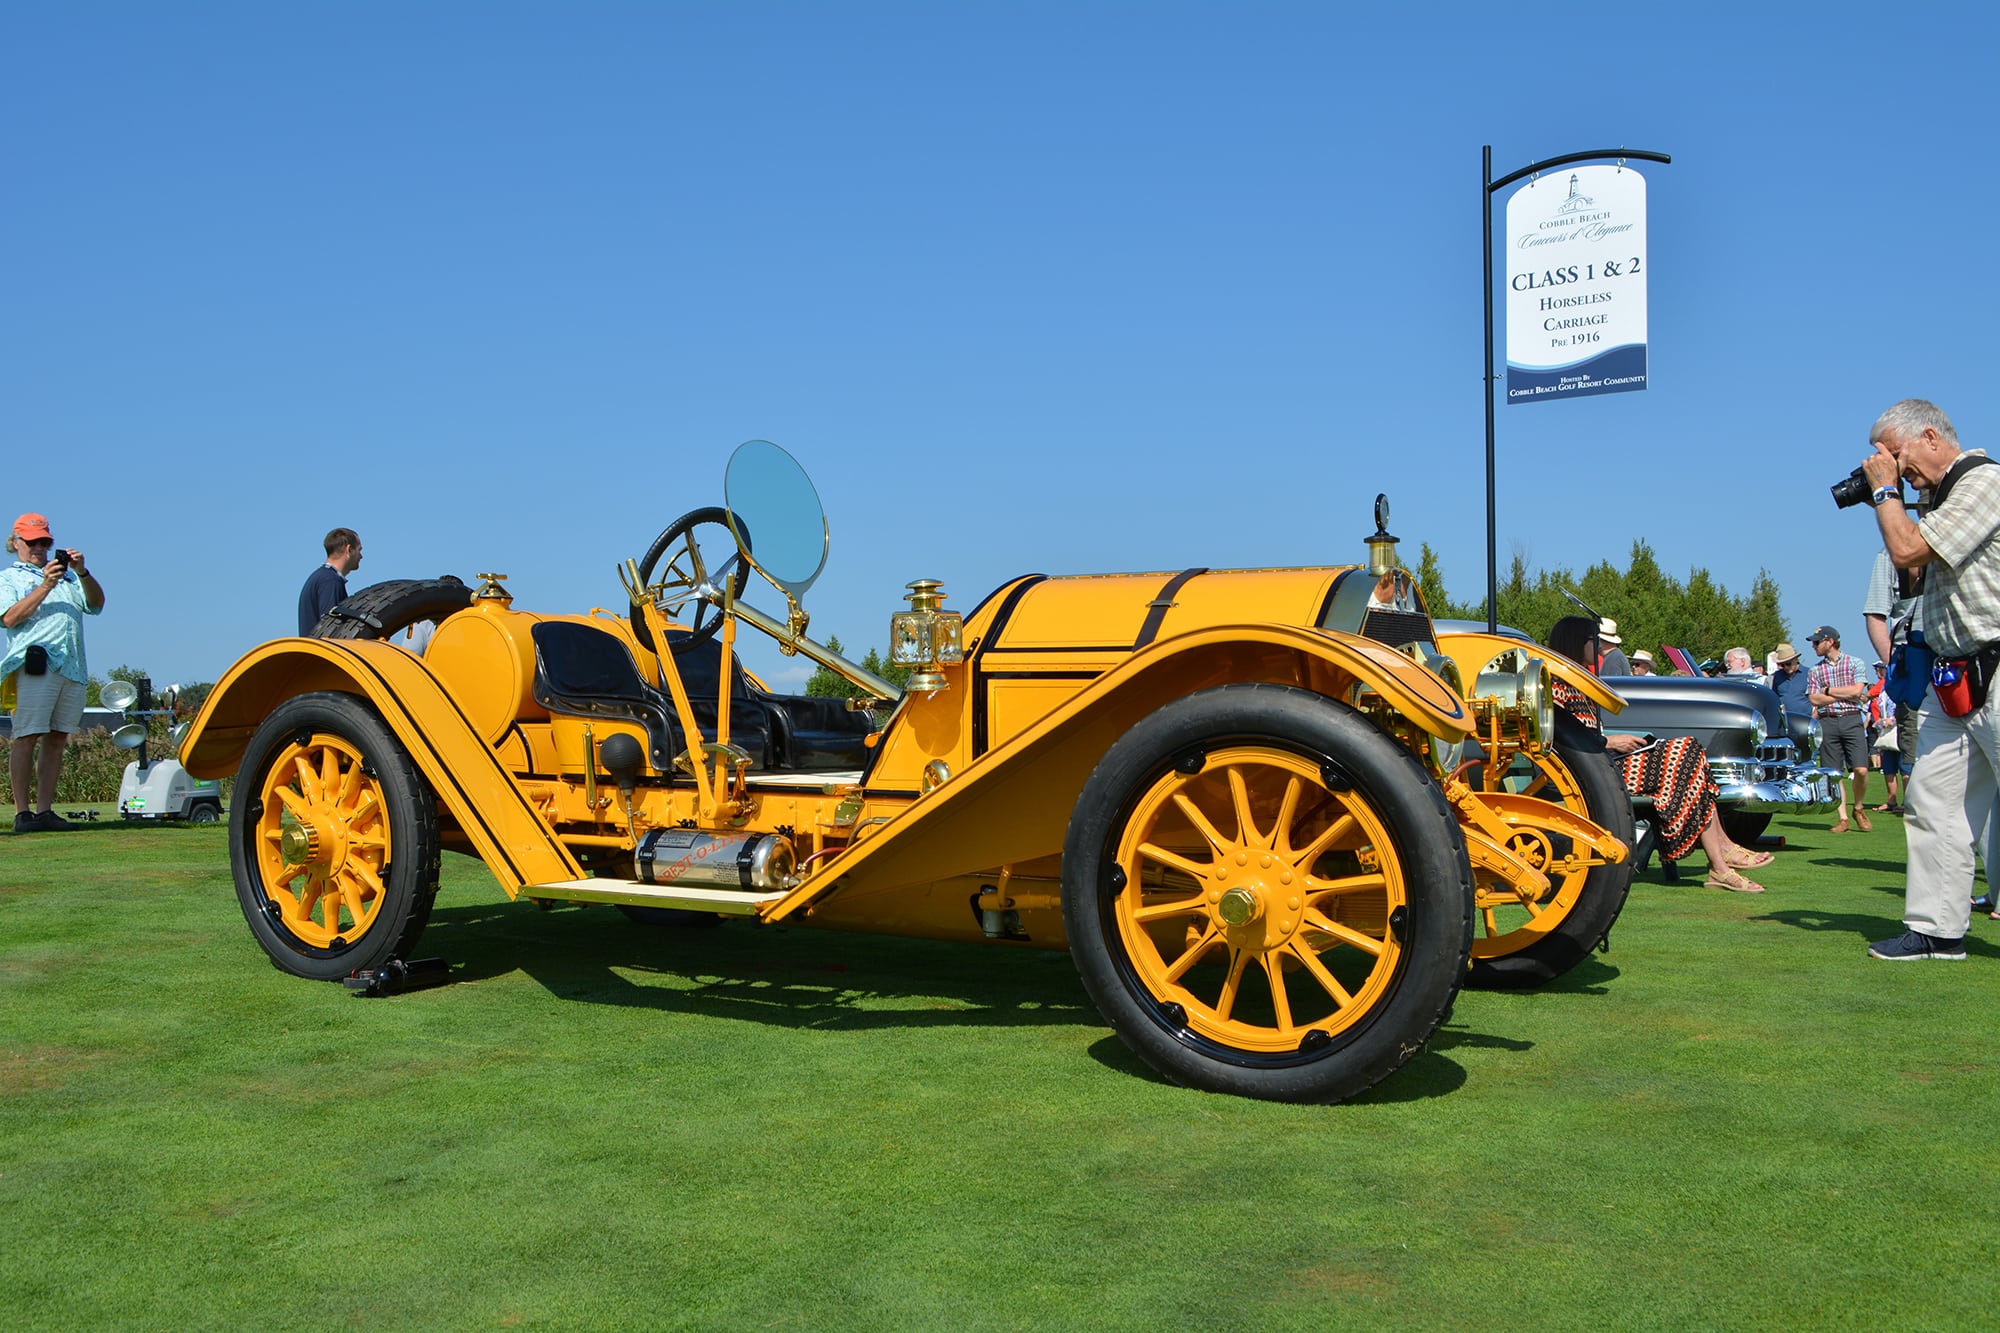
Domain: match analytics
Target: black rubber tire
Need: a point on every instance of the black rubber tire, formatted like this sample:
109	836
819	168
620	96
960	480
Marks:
1608	805
383	610
1743	827
1435	935
410	878
205	812
707	617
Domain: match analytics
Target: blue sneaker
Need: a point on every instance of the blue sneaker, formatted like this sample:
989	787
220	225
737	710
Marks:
1914	947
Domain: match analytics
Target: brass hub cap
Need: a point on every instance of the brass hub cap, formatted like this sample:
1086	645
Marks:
322	841
1258	901
300	844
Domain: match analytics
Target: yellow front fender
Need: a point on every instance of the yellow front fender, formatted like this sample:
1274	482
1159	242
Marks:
504	826
1474	653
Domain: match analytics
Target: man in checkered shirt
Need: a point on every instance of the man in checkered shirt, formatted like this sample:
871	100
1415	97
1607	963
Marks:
1839	695
1952	791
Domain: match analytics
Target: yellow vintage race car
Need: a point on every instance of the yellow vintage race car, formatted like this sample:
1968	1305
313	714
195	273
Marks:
1274	819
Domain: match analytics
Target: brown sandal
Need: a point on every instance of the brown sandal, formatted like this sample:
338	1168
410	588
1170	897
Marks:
1742	858
1733	880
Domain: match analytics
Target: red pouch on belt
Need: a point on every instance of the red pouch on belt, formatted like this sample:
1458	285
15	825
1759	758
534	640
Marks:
1960	684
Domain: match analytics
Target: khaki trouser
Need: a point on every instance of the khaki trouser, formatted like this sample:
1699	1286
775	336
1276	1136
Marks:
1949	800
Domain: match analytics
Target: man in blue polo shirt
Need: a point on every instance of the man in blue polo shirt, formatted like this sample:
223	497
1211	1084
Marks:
1790	682
326	587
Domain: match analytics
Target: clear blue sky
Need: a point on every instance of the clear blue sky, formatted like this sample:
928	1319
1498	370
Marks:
1057	288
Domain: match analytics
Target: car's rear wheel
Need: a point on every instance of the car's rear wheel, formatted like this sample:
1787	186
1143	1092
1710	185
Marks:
1266	896
1520	941
333	838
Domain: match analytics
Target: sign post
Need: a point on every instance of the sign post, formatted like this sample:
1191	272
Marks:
1576	292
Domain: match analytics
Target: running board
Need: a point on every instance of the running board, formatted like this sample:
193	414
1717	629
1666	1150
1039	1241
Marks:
634	893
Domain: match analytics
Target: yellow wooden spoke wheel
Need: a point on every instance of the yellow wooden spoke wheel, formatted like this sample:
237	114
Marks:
1258	901
333	838
1266	895
322	840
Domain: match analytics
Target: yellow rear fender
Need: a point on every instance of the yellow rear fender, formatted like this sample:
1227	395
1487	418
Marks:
476	789
1013	804
1476	653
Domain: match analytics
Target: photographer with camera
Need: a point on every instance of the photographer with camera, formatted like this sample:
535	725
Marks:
46	593
1951	794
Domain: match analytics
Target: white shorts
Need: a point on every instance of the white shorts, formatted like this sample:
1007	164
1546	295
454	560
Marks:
44	703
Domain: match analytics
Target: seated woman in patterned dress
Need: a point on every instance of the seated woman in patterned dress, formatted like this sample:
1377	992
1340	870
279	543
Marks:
1673	772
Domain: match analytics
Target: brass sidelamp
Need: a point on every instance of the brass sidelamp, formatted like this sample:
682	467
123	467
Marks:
926	636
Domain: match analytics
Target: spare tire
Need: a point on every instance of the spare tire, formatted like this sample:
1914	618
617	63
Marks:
383	610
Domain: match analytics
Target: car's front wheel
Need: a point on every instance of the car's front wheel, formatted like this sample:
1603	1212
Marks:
1267	896
333	838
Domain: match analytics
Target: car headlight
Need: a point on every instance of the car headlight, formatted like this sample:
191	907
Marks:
1446	755
1538	704
1446	670
1757	729
1521	694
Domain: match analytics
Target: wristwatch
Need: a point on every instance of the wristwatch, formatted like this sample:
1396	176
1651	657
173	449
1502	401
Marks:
1884	493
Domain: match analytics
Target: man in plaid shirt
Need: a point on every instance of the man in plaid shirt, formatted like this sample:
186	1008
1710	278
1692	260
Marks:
1839	695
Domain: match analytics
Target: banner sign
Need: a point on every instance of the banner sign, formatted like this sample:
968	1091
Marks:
1576	285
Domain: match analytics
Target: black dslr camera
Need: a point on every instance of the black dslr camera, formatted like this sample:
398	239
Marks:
1852	489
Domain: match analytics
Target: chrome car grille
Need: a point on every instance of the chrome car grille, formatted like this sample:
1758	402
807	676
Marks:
1731	772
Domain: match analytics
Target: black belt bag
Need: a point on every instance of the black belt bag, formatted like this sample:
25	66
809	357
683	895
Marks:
1961	682
36	663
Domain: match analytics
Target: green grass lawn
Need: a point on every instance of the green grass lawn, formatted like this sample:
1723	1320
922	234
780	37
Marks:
1732	1118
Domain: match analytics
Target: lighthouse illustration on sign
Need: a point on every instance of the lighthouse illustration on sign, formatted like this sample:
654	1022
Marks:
1576	201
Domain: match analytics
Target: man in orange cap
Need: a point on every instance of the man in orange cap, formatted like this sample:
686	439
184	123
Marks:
44	597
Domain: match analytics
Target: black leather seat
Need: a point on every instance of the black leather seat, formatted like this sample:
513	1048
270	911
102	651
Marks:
581	669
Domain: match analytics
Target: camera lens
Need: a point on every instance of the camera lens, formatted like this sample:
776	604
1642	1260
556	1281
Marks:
1851	490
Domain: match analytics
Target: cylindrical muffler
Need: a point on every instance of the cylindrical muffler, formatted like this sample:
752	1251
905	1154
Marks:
758	862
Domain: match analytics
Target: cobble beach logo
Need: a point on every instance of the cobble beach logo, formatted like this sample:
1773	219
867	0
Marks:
1576	285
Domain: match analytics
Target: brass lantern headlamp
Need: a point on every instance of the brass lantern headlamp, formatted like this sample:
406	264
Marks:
926	636
1381	546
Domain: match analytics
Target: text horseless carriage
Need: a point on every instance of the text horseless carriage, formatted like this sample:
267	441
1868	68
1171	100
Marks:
1239	798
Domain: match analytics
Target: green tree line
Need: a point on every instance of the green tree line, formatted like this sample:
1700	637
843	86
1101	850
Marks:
826	684
1650	605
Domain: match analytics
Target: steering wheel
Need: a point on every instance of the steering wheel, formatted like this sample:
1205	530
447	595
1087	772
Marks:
687	544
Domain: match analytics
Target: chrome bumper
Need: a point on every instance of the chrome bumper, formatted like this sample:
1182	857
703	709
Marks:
1798	790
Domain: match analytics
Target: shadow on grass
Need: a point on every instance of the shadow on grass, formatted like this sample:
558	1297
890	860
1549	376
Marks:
1896	868
823	980
113	824
828	980
1866	929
